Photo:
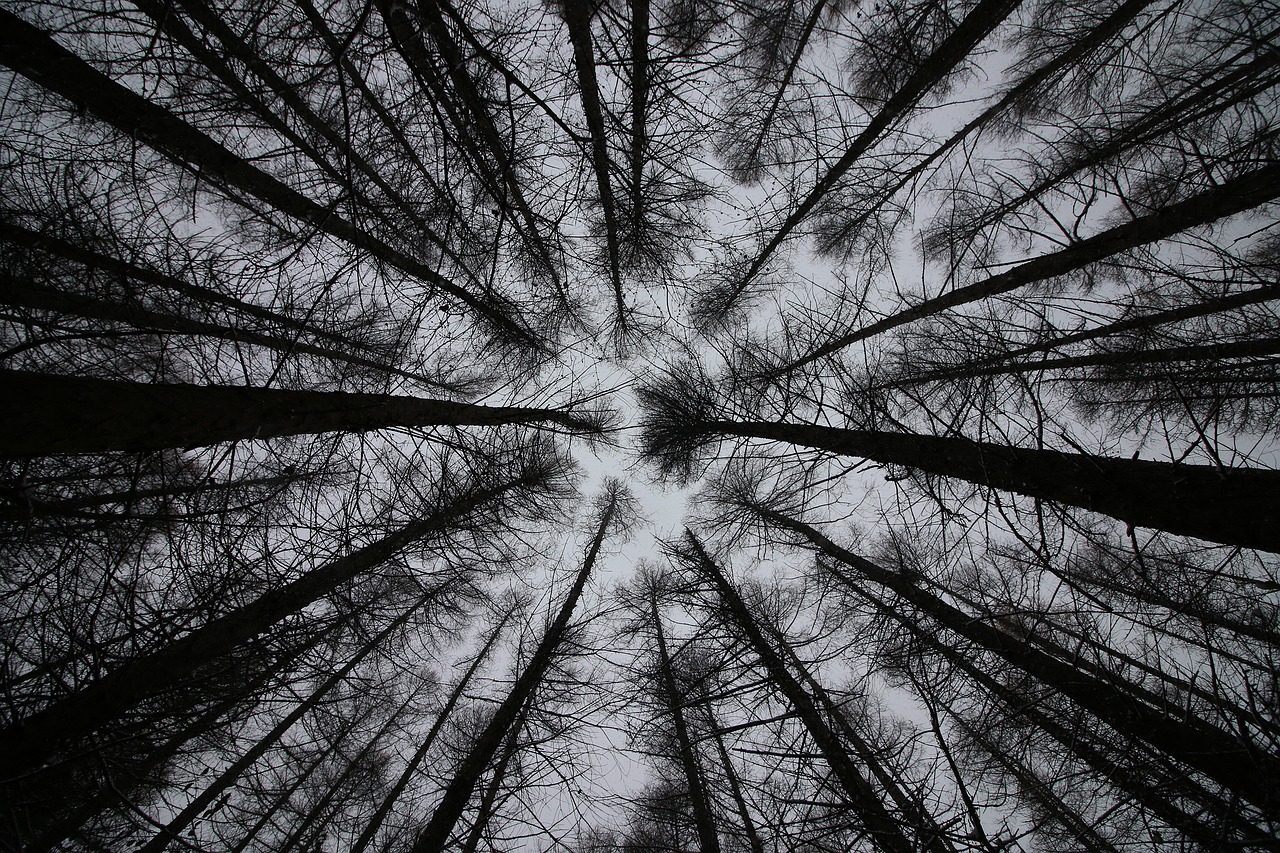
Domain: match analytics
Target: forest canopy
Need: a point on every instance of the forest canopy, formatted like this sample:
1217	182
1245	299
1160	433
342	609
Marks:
640	425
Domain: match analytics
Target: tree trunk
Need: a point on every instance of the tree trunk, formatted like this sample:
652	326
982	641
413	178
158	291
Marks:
1239	506
1235	765
129	312
985	17
33	54
1235	195
883	829
435	835
708	838
171	831
64	414
28	743
411	767
577	17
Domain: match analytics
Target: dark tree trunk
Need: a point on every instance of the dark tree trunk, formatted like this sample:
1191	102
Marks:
577	16
708	838
411	767
1228	198
985	17
1239	506
33	54
130	275
882	827
171	831
1140	715
64	414
129	312
28	743
435	835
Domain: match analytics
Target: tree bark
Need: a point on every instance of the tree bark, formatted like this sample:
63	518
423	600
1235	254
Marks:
411	767
708	838
1238	506
64	414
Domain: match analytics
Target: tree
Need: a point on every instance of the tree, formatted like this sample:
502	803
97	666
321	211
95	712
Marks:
942	340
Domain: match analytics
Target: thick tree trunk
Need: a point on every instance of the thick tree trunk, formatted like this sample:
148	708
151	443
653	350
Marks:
1228	198
883	829
33	54
64	414
1238	506
708	838
28	743
435	835
1140	715
412	765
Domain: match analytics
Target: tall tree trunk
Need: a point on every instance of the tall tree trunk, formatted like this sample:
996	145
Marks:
435	835
64	414
412	765
985	17
976	367
33	54
708	838
1232	763
1239	506
1235	195
489	799
129	312
28	743
1094	39
1129	777
129	275
577	17
731	776
171	831
882	827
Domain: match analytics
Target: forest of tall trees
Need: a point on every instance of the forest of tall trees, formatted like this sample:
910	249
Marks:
640	425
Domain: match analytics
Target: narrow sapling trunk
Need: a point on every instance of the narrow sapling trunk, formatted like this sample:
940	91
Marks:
64	414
